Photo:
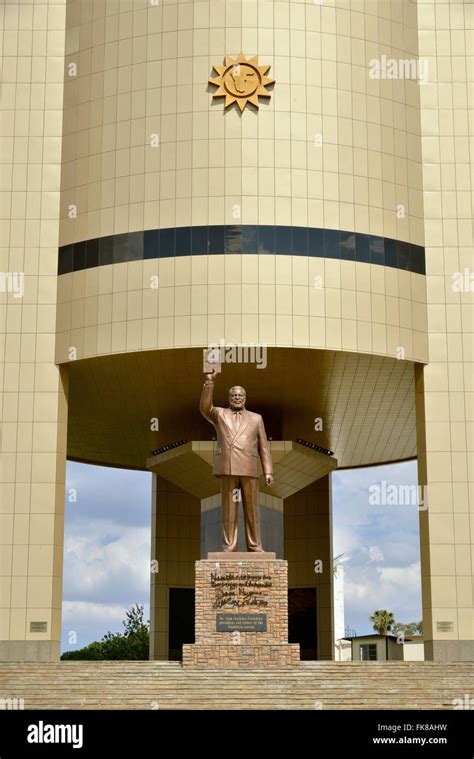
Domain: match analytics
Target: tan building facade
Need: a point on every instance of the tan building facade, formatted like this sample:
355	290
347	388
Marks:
149	221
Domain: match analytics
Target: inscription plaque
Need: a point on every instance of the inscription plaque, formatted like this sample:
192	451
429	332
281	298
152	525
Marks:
241	622
444	627
38	627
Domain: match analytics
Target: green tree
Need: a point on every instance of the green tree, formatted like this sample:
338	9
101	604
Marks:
132	644
382	621
410	628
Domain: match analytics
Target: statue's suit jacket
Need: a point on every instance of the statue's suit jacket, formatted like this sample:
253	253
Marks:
236	453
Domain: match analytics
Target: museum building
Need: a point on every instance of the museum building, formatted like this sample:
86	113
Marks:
274	176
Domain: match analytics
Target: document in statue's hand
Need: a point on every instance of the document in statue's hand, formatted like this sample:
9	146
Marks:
209	362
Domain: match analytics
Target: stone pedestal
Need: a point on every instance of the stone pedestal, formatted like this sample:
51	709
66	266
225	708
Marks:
241	614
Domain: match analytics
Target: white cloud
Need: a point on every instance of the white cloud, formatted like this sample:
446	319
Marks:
103	570
94	612
402	578
375	553
396	589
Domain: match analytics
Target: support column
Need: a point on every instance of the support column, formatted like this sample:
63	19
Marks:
33	474
33	390
307	538
445	527
444	388
175	545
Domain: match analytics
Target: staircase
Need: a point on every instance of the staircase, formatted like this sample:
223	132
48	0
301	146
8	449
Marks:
165	685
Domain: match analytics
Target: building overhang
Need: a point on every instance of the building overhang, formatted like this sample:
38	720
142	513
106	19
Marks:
359	406
189	466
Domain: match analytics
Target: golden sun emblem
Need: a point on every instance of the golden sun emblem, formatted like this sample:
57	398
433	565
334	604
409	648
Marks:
241	81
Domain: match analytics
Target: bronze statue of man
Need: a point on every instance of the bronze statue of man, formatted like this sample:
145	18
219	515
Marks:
241	442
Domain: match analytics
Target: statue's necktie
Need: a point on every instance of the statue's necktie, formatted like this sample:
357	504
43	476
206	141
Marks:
236	417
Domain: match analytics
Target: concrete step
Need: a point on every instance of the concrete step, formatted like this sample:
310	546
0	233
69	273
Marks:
166	685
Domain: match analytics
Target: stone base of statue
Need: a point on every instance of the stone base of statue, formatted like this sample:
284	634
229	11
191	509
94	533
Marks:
241	613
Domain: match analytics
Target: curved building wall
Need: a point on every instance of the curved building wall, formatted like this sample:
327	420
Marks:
331	150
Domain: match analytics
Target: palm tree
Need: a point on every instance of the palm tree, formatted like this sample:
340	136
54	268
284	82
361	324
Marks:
382	621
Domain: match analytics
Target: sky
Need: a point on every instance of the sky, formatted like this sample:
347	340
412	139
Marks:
380	543
107	548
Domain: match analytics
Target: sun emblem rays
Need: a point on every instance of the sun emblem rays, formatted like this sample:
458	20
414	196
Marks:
241	81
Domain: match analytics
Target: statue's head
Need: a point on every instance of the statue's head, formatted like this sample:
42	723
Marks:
237	398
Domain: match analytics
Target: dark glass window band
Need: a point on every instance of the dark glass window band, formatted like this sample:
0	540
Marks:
199	241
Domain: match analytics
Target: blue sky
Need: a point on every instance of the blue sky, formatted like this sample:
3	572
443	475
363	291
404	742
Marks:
107	548
382	543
